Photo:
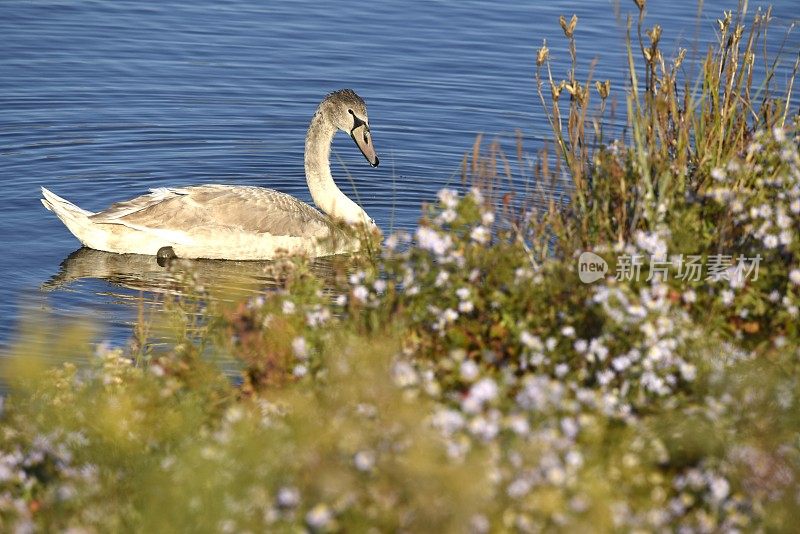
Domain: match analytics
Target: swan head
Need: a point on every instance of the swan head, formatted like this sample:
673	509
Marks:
348	112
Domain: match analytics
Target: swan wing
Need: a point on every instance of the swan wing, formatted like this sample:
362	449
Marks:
205	208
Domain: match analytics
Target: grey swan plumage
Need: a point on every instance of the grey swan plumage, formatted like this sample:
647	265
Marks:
239	222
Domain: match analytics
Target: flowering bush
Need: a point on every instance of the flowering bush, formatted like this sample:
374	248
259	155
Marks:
467	379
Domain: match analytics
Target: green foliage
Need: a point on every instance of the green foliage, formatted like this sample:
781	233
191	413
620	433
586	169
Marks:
466	378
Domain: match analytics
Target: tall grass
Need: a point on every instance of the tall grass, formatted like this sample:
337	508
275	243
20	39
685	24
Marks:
466	379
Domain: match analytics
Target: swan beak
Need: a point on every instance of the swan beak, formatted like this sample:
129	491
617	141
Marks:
363	139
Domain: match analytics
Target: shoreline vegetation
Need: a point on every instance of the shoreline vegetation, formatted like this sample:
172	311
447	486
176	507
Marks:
470	377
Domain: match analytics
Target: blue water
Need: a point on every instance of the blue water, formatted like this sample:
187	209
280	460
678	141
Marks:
100	101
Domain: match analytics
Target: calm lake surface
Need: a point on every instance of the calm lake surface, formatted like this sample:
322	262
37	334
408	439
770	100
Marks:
100	101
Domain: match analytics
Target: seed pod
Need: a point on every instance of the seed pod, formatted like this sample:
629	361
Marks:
569	29
654	34
543	54
680	58
556	89
603	88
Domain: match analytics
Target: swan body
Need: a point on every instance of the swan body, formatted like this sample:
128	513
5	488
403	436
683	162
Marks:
233	222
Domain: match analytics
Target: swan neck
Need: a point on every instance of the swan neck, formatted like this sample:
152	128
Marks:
327	196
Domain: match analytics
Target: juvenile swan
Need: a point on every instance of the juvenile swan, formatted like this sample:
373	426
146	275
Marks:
240	222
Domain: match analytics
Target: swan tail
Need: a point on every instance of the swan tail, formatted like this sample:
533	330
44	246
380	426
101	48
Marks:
74	218
56	204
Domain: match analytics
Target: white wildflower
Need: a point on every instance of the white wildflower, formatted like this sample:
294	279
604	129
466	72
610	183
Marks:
719	489
300	347
391	242
477	195
599	350
519	424
481	392
404	374
569	427
449	315
288	497
556	475
487	218
485	389
478	524
485	428
360	293
574	458
466	306
457	448
448	421
364	460
469	370
783	220
318	316
531	341
288	307
462	293
688	371
652	243
448	197
430	239
379	285
319	517
770	241
519	488
620	363
605	377
447	216
637	310
727	297
480	235
718	174
794	276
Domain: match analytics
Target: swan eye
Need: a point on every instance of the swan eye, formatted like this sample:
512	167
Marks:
356	121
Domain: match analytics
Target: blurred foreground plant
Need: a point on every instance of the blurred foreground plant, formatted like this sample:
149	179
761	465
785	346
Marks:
467	379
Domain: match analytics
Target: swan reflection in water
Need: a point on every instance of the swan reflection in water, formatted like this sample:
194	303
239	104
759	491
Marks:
125	307
223	280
